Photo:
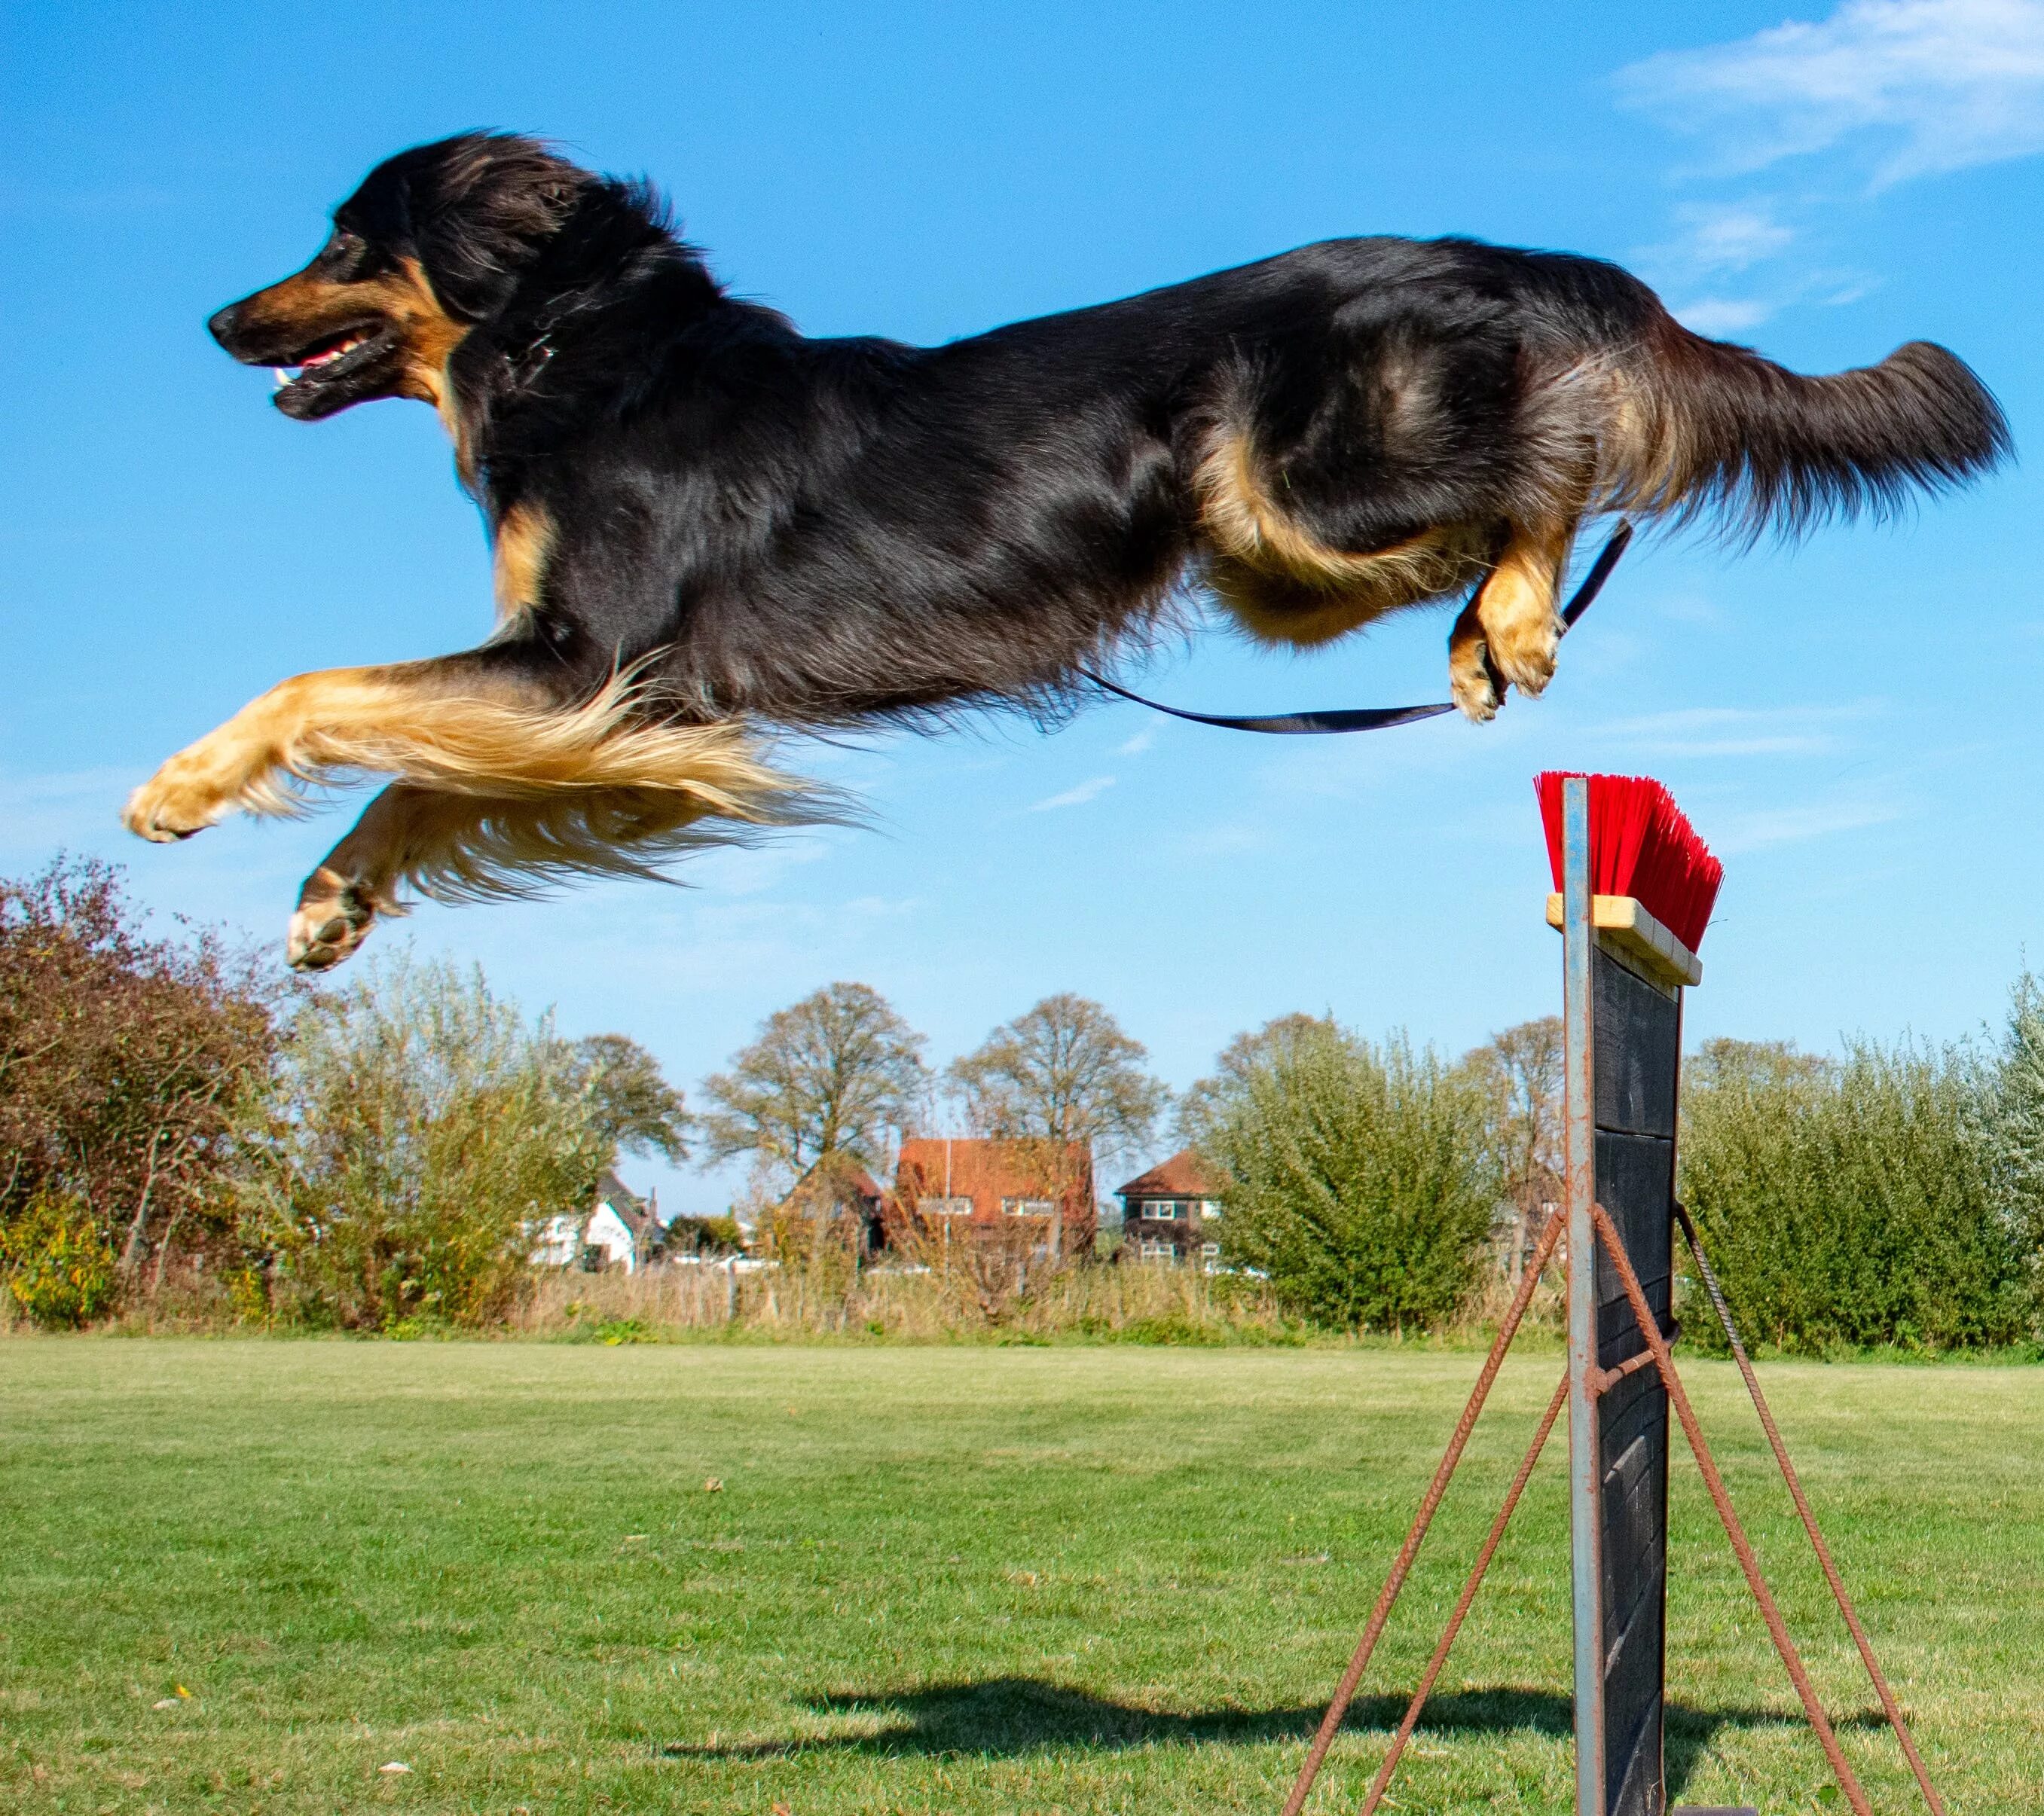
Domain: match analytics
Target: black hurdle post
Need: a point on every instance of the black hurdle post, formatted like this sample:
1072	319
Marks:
1624	978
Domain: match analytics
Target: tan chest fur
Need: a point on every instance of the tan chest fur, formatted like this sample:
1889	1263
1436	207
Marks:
525	538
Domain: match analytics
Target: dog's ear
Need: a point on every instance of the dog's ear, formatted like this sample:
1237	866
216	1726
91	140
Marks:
480	208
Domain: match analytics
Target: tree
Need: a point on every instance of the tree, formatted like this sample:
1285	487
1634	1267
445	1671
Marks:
838	1071
1063	1072
1243	1059
1358	1178
2017	1140
415	1136
120	1054
1519	1076
1752	1065
1851	1201
634	1108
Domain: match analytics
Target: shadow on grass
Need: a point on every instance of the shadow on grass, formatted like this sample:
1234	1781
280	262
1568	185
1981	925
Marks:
1002	1717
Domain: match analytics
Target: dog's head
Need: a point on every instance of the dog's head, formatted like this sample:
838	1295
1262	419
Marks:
433	242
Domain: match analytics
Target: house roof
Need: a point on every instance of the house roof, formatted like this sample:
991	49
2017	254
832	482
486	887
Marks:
987	1170
837	1178
632	1210
1180	1177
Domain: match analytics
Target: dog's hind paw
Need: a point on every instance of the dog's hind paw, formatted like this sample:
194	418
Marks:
1523	650
334	917
1479	689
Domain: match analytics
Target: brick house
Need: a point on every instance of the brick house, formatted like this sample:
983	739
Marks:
838	1186
999	1185
1172	1212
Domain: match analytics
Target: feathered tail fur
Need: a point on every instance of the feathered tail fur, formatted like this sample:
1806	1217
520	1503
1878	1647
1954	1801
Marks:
1707	427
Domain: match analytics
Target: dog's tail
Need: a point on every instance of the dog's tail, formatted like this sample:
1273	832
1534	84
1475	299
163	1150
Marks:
1706	428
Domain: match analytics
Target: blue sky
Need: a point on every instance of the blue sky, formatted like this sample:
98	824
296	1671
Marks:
1852	724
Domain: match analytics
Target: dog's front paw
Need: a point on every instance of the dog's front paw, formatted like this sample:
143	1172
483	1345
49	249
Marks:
186	795
334	917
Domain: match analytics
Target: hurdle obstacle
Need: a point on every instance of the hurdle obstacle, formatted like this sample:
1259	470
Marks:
1623	976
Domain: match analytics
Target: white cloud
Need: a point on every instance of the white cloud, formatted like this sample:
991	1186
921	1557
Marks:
1075	796
1942	84
1729	237
1135	747
1741	732
76	808
1224	841
1732	834
1719	315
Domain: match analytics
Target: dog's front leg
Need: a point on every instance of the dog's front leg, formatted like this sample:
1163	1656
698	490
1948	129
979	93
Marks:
403	828
329	723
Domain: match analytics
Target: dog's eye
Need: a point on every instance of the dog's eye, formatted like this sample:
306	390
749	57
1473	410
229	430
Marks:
341	256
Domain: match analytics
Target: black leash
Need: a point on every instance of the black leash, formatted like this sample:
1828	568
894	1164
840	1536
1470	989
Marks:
1379	718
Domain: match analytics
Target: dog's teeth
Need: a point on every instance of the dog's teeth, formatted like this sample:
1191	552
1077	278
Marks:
283	375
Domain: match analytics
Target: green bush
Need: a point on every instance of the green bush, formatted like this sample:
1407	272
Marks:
59	1268
2017	1138
705	1236
413	1138
1849	1202
1358	1180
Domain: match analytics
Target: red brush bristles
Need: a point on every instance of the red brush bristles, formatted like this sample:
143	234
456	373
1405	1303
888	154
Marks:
1641	846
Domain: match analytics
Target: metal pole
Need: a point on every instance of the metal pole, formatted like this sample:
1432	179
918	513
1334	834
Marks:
1585	1465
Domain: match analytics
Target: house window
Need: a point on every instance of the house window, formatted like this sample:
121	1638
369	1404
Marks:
1029	1206
1211	1250
954	1207
1163	1210
1209	1208
1158	1249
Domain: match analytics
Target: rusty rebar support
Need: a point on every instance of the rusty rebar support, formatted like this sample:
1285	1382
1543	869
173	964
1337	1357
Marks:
1604	1379
1649	1329
1359	1661
1483	1557
1888	1703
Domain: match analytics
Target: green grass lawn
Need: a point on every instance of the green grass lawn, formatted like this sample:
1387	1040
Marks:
958	1580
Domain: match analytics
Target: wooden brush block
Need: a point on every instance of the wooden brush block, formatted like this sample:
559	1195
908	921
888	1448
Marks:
1640	936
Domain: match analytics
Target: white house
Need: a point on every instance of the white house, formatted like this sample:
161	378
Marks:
621	1230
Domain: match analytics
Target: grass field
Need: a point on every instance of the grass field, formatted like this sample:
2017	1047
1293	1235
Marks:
968	1579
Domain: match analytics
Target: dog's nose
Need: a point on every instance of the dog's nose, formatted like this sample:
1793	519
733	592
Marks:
220	324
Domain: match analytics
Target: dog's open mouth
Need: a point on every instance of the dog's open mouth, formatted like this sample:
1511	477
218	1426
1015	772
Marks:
332	358
345	366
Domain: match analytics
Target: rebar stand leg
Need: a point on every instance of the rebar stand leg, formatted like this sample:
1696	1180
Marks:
1359	1661
1809	1519
1649	1328
1470	1589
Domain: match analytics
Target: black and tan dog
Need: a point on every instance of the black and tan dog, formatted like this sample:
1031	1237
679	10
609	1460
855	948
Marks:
704	522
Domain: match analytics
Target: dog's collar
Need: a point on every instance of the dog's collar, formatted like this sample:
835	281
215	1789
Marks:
532	362
524	367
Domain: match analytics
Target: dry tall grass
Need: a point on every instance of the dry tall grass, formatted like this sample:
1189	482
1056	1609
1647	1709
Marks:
1135	1303
977	1296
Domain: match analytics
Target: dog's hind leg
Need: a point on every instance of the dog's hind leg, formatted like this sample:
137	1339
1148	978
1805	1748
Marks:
1509	632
